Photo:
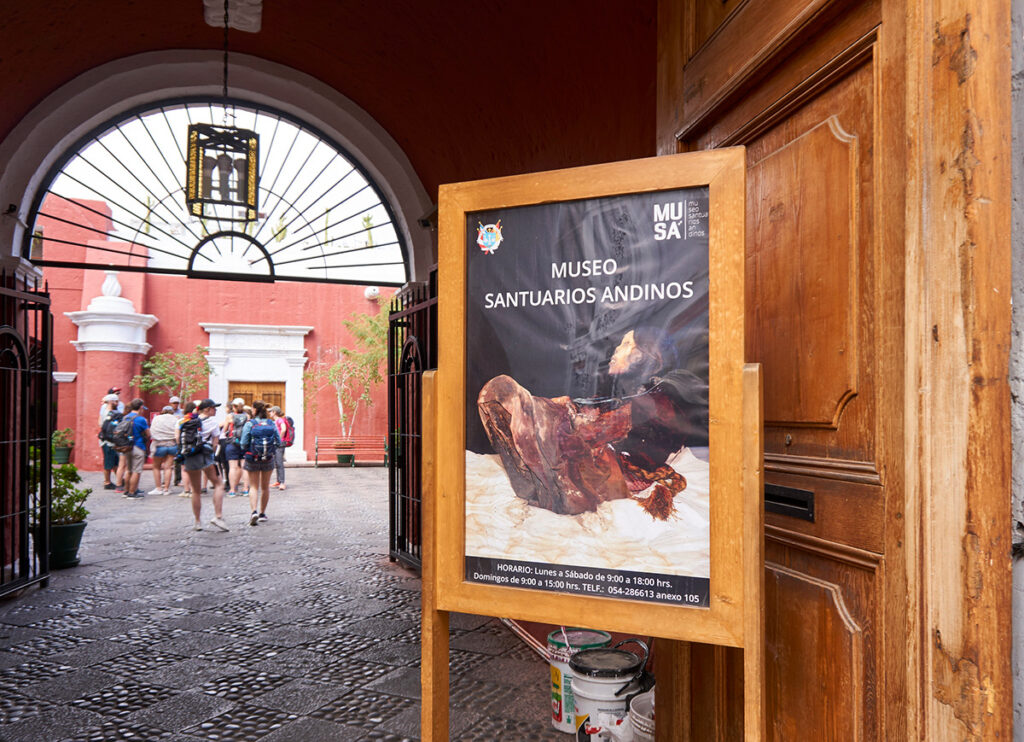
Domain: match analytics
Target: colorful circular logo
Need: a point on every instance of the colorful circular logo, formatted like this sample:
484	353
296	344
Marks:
488	236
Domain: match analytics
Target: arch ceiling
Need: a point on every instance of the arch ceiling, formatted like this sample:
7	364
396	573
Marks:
118	197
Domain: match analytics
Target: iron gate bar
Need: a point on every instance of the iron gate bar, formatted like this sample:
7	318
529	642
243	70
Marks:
299	213
81	205
412	349
26	389
214	275
106	199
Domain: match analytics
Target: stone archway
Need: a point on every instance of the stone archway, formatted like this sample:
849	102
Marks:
79	106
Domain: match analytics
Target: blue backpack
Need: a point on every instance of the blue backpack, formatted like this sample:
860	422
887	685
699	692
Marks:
262	439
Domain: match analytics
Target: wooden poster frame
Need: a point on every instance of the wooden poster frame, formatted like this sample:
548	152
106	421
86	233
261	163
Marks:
734	615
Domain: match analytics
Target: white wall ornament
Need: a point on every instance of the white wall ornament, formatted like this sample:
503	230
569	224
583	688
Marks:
110	322
255	353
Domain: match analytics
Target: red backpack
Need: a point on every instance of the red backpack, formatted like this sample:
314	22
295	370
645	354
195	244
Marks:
288	434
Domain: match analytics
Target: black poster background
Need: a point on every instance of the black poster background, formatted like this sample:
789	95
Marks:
564	349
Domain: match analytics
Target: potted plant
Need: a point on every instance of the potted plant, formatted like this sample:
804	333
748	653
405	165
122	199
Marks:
62	442
67	515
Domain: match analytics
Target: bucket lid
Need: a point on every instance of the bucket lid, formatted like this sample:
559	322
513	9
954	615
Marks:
605	663
579	638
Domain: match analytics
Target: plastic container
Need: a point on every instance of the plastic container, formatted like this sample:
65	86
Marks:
563	712
602	680
641	716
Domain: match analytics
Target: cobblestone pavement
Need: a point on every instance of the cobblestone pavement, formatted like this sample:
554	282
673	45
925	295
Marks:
297	629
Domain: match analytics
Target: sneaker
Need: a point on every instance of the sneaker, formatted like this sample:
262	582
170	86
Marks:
156	491
184	494
136	495
197	526
119	490
254	518
165	492
109	486
220	524
231	494
281	487
263	518
275	485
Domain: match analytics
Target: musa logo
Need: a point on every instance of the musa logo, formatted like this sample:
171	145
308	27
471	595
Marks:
668	220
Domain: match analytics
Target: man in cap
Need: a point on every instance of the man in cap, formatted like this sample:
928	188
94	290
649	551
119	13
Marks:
175	403
109	416
118	406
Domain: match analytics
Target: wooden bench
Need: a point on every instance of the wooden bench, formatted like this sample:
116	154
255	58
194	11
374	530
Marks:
350	449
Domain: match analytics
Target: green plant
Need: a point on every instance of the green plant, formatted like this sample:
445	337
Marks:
66	498
64	438
175	374
351	372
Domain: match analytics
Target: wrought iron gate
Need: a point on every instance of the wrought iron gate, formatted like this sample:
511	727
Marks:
26	399
412	349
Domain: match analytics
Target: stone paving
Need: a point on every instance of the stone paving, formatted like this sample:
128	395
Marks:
297	629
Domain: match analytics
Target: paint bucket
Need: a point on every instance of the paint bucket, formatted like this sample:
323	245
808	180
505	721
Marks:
641	716
602	679
562	645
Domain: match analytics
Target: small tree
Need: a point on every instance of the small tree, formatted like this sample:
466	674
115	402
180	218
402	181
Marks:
351	372
175	374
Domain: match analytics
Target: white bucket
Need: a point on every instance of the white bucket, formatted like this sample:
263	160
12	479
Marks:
563	713
641	715
602	680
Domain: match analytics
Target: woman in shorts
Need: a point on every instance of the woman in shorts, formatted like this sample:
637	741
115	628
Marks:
259	429
232	426
163	433
202	463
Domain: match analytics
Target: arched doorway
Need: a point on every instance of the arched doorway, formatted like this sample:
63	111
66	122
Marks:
117	197
29	155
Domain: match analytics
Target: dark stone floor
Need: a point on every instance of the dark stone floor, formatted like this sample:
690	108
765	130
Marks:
298	629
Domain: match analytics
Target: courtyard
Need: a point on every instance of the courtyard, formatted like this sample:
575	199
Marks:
297	629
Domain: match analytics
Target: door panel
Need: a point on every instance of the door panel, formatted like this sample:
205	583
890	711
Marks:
271	392
799	83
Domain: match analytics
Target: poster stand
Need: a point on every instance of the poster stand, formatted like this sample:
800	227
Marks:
730	610
672	654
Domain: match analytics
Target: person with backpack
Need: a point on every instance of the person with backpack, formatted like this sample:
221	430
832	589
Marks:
260	441
131	439
285	429
232	426
197	439
109	417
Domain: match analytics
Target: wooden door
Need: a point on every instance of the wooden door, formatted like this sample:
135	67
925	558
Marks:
859	586
271	392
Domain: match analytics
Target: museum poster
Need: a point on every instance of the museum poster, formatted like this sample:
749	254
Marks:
587	397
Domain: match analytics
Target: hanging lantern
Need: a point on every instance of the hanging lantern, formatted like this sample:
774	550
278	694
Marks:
223	163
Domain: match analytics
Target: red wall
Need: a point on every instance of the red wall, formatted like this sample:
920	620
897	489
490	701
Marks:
181	305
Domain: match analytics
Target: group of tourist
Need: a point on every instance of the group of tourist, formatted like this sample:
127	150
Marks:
243	451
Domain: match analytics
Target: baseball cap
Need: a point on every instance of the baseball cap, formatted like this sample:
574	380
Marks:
114	390
167	408
172	400
237	400
207	403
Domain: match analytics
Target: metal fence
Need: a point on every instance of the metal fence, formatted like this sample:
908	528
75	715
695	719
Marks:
412	349
26	398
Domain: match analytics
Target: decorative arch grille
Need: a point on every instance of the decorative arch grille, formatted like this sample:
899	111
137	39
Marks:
117	200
